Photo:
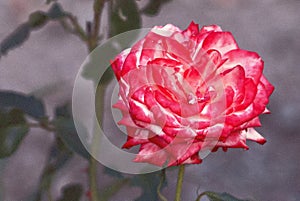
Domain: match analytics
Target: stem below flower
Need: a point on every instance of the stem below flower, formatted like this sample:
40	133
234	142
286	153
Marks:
94	149
92	43
162	180
179	182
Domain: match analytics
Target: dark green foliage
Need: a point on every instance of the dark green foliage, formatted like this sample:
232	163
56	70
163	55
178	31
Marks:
71	192
112	189
56	12
59	155
149	183
124	16
65	129
153	7
38	19
213	196
13	129
35	21
15	39
30	105
113	173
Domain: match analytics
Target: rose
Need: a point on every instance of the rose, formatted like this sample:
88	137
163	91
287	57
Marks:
186	92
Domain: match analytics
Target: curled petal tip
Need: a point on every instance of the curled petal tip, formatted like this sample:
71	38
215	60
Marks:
252	134
266	111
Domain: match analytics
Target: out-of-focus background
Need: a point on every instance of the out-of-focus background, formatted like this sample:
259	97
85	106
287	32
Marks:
46	65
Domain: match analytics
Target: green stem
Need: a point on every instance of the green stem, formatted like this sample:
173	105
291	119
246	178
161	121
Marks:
98	7
200	196
78	30
179	182
162	180
70	24
92	43
42	125
93	179
94	147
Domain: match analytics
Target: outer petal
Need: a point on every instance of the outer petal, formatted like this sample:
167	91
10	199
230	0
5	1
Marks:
117	64
221	41
234	140
214	28
193	29
252	134
151	153
267	85
251	62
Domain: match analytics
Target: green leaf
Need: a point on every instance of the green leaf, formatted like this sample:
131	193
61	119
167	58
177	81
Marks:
113	173
56	12
13	129
124	16
66	130
38	19
63	111
59	155
213	196
28	104
153	7
107	76
112	189
149	183
71	192
15	39
3	163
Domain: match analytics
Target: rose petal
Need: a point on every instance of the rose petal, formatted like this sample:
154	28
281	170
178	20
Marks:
234	140
220	41
210	28
252	134
250	61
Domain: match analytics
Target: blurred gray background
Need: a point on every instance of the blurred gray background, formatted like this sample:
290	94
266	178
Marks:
47	63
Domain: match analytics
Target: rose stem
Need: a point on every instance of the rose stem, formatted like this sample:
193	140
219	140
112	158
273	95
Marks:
179	182
92	43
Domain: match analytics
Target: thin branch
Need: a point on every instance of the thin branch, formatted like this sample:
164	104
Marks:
75	29
98	7
94	151
93	179
200	196
92	43
42	126
162	180
179	183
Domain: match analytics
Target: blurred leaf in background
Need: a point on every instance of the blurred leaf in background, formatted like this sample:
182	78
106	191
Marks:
213	196
149	183
13	129
71	192
124	16
30	105
153	7
35	21
15	39
65	129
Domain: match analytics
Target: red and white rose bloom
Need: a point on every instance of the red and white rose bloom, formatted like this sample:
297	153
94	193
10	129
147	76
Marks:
186	92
